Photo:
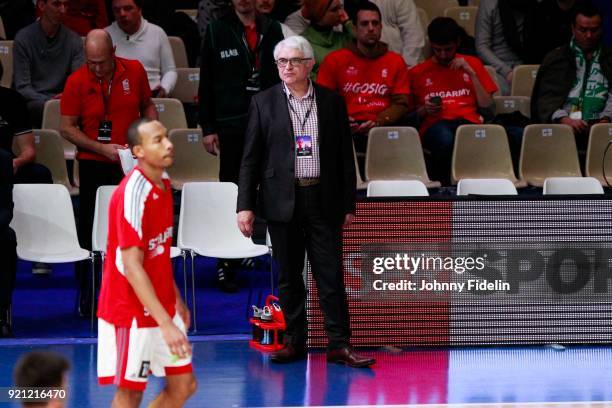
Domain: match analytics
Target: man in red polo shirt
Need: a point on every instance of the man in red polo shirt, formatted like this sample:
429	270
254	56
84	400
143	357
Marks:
100	100
448	90
372	80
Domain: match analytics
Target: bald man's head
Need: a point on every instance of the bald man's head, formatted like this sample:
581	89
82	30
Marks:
99	52
99	39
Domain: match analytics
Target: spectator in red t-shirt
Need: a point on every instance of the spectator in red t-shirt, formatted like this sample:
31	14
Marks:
447	89
372	80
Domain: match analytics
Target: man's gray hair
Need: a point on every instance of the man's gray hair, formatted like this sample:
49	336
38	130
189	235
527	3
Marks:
295	42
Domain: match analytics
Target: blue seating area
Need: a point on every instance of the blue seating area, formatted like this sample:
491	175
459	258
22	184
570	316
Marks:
45	306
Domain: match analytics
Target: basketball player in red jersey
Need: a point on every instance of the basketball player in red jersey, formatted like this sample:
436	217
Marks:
142	319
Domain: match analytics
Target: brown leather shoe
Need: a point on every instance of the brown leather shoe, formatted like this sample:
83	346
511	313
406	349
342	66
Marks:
348	356
288	354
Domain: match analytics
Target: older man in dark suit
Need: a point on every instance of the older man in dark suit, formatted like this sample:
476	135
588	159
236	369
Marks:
298	151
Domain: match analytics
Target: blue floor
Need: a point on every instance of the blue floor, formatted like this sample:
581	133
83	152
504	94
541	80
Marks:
232	375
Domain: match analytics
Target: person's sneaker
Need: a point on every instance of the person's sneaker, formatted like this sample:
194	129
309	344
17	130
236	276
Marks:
224	280
39	268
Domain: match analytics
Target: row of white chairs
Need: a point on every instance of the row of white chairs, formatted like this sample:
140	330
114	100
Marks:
46	232
483	151
552	186
44	223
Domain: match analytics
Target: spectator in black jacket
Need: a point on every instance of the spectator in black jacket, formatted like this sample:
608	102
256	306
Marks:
237	62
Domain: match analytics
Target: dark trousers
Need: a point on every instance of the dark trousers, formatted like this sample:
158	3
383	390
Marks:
439	139
8	259
360	141
515	140
309	230
92	174
231	144
33	173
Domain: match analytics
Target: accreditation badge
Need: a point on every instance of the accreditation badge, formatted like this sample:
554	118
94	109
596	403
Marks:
303	145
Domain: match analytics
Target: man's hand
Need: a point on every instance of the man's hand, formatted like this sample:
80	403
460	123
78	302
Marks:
579	126
348	220
159	92
110	151
211	143
461	63
245	220
183	312
175	339
365	126
353	124
432	108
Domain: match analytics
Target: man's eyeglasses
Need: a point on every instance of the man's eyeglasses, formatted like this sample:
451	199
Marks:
282	62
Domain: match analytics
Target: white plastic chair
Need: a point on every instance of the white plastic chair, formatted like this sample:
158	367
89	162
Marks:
187	84
51	120
179	52
572	185
99	232
207	226
171	113
50	153
99	235
43	221
397	188
486	187
192	163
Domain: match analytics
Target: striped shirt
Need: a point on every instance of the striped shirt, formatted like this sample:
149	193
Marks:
303	114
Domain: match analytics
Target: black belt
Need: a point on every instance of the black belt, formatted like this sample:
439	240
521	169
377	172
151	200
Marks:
306	182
